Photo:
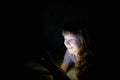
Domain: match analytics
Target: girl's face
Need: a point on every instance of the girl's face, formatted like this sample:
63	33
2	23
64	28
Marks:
71	42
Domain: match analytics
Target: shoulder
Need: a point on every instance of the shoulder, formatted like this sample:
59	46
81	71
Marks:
68	53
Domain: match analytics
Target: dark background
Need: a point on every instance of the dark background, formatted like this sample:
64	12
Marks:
44	24
30	26
43	29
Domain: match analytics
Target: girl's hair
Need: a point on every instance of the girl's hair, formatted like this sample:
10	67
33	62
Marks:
80	31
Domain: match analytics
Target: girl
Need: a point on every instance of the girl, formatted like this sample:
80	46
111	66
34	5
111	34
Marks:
78	52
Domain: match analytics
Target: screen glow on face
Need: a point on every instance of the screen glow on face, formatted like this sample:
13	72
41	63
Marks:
71	42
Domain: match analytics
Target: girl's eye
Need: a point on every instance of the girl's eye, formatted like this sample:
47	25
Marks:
72	40
69	40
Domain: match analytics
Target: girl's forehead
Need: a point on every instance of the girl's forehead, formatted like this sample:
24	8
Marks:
69	35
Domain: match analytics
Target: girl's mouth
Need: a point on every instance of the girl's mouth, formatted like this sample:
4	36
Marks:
70	48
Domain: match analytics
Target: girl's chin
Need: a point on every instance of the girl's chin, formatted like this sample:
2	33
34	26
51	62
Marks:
71	51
